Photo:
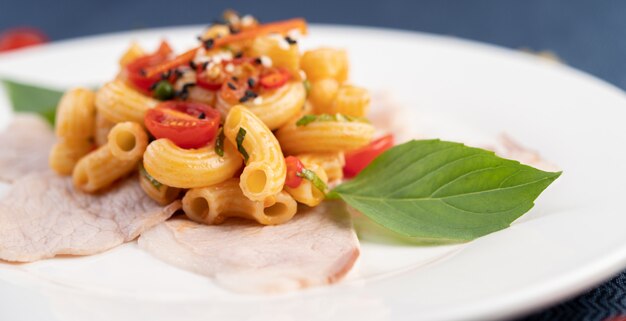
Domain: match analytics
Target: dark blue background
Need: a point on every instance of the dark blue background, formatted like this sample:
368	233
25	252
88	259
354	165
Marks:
589	35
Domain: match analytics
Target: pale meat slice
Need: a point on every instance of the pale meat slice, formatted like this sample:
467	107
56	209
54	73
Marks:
42	216
318	246
24	146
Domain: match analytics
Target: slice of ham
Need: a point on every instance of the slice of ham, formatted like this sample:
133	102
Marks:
42	216
318	246
24	146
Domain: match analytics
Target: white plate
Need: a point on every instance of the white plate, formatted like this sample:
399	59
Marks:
445	87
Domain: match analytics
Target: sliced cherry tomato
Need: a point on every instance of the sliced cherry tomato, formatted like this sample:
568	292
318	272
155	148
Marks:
21	37
135	71
294	166
188	125
204	79
358	159
275	79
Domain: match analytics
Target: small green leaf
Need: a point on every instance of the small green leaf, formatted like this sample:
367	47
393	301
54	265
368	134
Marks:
315	180
307	119
442	191
219	143
156	184
34	99
241	135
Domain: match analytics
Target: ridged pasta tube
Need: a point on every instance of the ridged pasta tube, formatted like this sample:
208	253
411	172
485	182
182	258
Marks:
189	168
325	63
160	193
213	204
307	193
102	167
118	102
332	163
265	170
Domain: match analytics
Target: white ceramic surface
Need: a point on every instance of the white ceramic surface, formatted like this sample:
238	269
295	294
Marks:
440	87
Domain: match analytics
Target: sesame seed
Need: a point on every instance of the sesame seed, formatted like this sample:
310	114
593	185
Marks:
239	54
208	44
192	65
231	86
258	100
229	68
251	93
290	40
258	60
201	116
235	79
250	82
266	61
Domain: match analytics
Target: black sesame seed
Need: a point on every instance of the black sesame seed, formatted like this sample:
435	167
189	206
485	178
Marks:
204	65
192	65
231	86
290	40
243	99
142	72
178	73
201	116
153	86
250	82
235	79
166	75
258	60
239	55
251	94
208	44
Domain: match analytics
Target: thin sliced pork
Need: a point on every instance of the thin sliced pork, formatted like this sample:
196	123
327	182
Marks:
25	145
318	246
42	216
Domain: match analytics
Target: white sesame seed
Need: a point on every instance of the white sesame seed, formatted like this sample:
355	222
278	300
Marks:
258	100
280	40
294	34
230	68
266	61
247	20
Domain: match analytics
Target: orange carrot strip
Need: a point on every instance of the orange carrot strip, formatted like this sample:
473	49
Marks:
274	27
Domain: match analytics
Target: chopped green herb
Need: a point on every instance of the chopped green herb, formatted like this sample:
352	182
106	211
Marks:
315	180
307	86
156	184
163	90
307	119
34	99
240	137
219	143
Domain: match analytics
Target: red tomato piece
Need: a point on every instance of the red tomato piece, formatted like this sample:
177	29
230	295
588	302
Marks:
21	37
358	159
188	125
275	79
135	71
294	166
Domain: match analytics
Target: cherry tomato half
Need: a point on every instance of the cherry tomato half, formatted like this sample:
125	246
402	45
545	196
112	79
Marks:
135	69
21	37
294	166
188	125
275	79
358	159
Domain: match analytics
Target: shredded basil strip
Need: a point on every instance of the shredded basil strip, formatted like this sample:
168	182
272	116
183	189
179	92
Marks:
240	137
315	180
219	143
307	119
157	185
307	86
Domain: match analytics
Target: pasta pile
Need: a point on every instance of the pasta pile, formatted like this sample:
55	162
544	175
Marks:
245	99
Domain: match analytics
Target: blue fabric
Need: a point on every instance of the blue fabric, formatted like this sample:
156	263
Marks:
587	34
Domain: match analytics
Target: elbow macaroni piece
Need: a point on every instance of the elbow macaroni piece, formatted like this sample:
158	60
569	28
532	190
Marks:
75	128
351	101
324	136
102	167
325	63
133	52
277	107
332	163
118	102
283	54
306	193
265	172
160	193
190	168
213	204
